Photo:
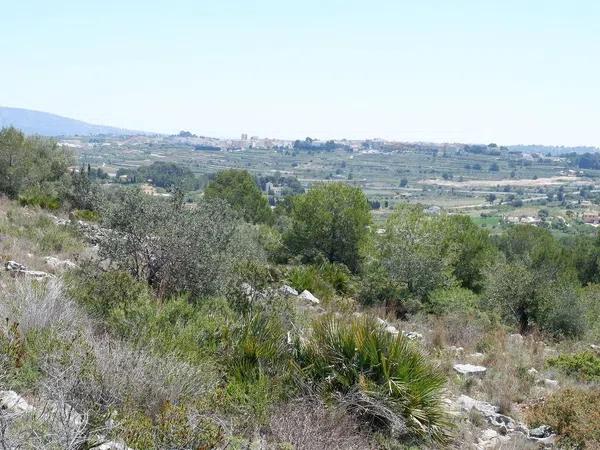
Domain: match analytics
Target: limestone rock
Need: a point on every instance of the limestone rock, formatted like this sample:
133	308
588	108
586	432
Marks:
13	403
306	295
59	264
392	330
13	266
412	335
467	403
540	432
469	369
113	445
288	291
21	269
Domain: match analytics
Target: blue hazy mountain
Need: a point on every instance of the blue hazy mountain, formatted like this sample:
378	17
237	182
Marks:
46	124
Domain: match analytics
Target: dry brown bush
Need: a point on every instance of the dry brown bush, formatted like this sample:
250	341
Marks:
307	424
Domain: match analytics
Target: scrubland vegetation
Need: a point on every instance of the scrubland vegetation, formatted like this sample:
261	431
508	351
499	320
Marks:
171	329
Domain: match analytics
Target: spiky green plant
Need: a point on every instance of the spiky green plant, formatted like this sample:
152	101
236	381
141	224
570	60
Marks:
381	377
308	277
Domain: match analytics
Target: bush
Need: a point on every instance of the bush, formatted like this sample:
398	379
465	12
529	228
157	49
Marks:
584	366
36	197
573	414
308	277
86	215
308	424
382	378
445	301
376	287
104	292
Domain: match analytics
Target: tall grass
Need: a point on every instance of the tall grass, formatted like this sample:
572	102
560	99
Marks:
382	378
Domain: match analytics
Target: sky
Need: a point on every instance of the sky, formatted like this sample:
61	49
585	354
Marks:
505	71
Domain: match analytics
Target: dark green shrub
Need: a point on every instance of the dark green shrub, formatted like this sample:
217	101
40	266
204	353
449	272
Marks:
35	197
445	301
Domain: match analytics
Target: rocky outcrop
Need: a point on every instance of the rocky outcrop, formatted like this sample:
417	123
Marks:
412	335
503	425
16	268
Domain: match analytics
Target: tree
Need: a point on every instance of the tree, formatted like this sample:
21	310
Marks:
330	220
534	247
30	162
168	175
412	254
474	251
240	190
82	193
528	297
172	248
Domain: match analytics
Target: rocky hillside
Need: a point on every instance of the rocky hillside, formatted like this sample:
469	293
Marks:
67	383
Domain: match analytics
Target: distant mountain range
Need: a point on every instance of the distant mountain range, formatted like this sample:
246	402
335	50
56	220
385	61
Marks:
46	124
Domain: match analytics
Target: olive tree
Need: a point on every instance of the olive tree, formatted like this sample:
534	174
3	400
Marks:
175	249
412	253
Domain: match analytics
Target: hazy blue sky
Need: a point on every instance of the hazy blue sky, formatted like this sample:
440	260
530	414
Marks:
471	71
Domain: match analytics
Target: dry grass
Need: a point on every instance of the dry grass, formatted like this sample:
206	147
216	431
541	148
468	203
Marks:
307	424
34	305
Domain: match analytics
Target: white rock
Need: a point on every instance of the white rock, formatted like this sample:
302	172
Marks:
112	445
288	290
552	384
21	269
467	403
532	371
59	264
306	295
13	403
412	335
14	266
595	347
392	330
38	275
469	369
515	339
487	435
457	351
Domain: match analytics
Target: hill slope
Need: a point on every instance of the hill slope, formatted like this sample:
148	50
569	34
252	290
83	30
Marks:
46	124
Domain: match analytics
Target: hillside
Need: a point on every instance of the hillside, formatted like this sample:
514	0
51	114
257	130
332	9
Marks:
46	124
137	321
